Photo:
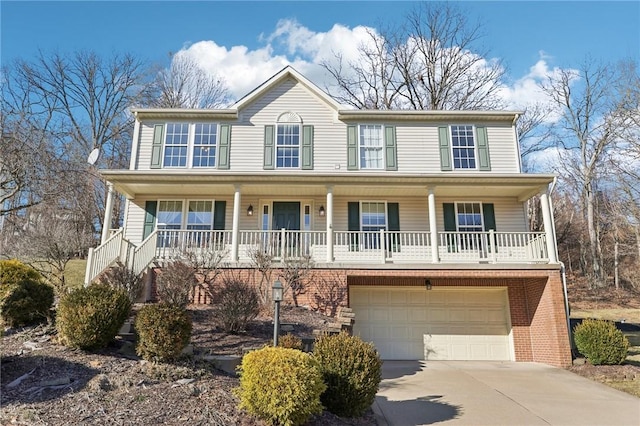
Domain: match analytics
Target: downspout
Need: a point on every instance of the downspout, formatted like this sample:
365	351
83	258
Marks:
563	270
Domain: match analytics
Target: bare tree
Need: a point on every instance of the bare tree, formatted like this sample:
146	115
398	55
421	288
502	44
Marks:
186	85
84	98
433	61
587	135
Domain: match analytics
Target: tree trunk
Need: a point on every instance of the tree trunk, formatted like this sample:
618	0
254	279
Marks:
616	263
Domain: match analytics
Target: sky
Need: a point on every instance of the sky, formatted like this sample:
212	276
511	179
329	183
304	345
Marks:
247	42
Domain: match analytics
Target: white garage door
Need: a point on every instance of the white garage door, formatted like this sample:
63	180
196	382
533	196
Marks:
458	323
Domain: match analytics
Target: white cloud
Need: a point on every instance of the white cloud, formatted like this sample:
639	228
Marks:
291	43
526	90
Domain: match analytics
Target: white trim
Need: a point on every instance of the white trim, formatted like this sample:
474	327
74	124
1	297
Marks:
481	214
386	212
191	137
135	144
382	147
275	153
475	149
184	210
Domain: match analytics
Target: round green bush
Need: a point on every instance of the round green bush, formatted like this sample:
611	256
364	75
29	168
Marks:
90	317
163	331
601	342
280	385
24	297
352	370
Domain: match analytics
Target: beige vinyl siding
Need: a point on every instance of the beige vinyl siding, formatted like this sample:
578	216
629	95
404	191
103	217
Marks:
248	135
144	146
417	143
510	214
134	225
502	149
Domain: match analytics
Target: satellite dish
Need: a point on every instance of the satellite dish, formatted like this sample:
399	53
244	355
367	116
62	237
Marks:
93	156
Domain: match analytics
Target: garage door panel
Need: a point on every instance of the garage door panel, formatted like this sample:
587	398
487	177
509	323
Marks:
447	324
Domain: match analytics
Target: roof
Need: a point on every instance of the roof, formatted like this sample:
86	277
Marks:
342	111
280	76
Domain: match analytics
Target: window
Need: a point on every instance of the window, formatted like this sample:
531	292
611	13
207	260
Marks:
469	217
288	146
374	218
463	143
200	215
176	142
190	144
169	214
204	145
371	146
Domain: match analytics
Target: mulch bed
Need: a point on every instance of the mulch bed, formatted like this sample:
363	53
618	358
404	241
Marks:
61	386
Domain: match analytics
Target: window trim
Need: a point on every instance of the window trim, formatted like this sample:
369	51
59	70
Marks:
184	219
475	148
382	147
386	213
457	212
215	146
277	146
191	145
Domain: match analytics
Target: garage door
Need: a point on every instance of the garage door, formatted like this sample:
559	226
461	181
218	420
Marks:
440	324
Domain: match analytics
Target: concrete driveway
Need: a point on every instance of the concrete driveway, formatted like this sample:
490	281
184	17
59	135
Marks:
496	393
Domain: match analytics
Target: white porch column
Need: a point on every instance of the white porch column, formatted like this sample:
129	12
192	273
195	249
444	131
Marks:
433	226
329	219
108	214
236	224
548	226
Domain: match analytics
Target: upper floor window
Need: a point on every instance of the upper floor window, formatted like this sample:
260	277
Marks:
176	143
204	145
464	147
193	144
371	146
288	146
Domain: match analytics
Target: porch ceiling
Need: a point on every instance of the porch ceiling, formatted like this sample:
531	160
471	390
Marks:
170	182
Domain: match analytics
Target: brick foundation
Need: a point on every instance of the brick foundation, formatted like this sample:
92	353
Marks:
536	300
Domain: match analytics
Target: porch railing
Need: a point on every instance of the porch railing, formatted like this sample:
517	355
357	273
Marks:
348	247
362	246
104	255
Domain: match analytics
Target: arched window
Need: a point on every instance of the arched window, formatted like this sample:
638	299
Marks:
288	130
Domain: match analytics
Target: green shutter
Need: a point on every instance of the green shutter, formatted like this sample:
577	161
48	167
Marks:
390	147
354	224
224	146
150	208
393	213
445	150
219	215
269	149
307	147
352	147
156	149
489	216
449	211
484	162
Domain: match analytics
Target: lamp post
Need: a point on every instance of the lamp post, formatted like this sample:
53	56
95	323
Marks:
276	295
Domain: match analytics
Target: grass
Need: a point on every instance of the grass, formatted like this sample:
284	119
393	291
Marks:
74	273
617	314
628	385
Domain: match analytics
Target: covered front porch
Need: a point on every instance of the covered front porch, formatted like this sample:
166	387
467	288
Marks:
319	231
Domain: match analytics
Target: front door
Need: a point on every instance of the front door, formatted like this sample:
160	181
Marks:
286	215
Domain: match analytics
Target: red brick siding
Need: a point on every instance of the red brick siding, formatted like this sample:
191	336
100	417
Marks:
536	300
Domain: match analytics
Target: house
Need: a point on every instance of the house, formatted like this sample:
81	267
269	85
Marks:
420	214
